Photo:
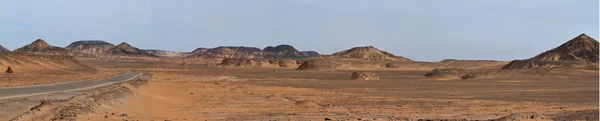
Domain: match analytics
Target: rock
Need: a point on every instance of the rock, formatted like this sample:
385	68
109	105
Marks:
318	64
365	76
223	82
467	76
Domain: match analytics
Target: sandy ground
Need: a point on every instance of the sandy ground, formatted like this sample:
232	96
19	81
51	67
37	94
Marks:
280	94
200	92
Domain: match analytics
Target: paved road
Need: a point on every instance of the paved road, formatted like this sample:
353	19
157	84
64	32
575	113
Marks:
13	92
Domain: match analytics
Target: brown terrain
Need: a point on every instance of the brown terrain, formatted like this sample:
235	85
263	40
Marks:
362	83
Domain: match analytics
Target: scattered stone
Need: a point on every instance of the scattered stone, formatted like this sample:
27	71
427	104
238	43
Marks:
223	82
365	76
467	76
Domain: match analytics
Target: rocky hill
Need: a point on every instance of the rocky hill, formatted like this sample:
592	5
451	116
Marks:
368	53
126	50
40	47
164	53
575	53
89	46
282	51
2	49
579	49
310	53
227	52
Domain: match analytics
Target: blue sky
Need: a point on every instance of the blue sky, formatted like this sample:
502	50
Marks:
424	30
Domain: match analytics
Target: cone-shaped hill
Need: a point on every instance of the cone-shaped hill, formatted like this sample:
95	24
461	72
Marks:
40	47
368	53
573	53
125	49
580	49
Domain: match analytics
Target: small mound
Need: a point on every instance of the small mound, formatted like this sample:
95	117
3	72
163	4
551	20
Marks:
308	104
318	64
365	76
533	64
223	82
287	63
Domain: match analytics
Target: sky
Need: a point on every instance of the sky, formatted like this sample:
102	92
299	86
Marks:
422	30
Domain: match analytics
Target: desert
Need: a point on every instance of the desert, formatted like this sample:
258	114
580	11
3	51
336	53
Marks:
299	60
362	83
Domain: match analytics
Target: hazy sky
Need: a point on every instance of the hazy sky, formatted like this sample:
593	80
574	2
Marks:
424	30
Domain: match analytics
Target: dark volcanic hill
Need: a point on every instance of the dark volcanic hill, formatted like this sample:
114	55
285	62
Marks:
40	47
89	46
227	52
310	53
368	53
581	49
282	51
125	49
2	49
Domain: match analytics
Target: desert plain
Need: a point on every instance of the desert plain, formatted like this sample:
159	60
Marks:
232	84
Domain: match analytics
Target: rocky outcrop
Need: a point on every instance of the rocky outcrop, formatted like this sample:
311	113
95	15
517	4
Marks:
40	47
227	52
89	46
126	50
368	53
364	76
535	64
2	49
164	53
579	49
310	53
318	64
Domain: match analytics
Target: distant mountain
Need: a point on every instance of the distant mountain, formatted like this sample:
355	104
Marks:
125	49
89	46
368	53
164	53
310	53
40	47
227	52
282	51
581	49
2	49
